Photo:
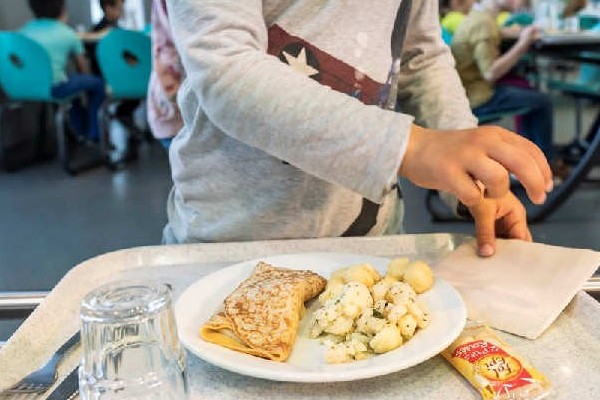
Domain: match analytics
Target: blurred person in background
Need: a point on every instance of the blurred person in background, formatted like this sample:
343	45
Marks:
164	117
50	29
113	11
572	7
481	65
124	112
453	12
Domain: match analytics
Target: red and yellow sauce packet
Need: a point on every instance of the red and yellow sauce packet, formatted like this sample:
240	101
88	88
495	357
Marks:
494	368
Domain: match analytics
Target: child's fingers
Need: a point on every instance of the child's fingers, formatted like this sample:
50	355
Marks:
491	174
465	188
485	231
515	224
534	151
522	164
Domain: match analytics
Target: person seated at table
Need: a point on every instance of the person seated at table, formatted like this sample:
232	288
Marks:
164	116
453	12
49	29
113	11
476	49
572	7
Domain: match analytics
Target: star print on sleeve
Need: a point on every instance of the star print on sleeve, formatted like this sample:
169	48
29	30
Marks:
320	66
299	63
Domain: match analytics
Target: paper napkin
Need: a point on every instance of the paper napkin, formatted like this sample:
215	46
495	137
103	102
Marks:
521	289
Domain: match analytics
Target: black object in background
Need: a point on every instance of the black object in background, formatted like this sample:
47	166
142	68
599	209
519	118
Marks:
27	134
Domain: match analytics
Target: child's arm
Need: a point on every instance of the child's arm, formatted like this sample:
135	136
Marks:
453	161
503	64
472	164
429	87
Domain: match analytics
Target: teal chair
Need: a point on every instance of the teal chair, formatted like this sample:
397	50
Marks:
125	61
25	70
26	76
446	36
587	22
522	19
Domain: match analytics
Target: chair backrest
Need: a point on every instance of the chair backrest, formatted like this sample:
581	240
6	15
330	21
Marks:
522	19
25	68
446	36
587	22
125	60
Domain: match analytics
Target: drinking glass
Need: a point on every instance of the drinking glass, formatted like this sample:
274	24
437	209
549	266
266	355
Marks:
131	349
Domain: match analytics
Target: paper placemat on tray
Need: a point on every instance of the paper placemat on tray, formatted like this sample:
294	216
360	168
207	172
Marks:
523	288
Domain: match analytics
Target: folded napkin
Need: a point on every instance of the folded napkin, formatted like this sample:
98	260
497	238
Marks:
523	287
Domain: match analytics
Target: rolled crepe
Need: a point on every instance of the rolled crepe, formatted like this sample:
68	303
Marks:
261	317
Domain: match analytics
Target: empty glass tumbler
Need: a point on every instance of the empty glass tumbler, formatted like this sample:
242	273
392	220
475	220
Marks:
131	349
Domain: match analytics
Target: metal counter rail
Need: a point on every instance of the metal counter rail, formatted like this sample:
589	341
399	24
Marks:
20	301
27	301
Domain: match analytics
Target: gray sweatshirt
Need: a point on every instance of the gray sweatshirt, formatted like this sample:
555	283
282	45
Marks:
283	137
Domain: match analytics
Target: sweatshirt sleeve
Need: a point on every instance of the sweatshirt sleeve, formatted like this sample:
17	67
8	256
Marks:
429	87
262	102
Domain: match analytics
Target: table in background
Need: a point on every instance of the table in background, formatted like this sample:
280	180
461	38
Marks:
572	47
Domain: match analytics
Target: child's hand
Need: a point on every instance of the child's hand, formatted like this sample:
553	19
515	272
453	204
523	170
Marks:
502	217
453	161
529	35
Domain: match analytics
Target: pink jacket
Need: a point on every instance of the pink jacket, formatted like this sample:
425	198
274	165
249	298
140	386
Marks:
167	73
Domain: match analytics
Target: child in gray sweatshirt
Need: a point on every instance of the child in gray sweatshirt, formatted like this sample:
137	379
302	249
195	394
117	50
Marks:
283	137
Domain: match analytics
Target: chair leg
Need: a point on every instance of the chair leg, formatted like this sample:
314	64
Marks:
105	129
582	142
578	117
105	138
575	150
64	153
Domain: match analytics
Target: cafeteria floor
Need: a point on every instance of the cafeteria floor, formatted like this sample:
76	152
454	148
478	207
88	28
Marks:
51	221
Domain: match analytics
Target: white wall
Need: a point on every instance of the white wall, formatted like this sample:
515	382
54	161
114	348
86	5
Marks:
13	13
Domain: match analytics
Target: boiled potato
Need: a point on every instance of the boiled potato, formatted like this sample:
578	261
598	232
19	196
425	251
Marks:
363	273
386	339
397	267
419	275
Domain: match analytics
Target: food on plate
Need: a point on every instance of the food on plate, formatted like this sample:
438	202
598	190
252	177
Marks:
494	368
397	267
419	276
261	317
362	313
362	273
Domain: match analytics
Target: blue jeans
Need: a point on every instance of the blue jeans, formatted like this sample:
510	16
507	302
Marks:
93	87
166	143
537	124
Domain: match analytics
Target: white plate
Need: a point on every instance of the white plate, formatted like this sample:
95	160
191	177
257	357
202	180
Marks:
306	364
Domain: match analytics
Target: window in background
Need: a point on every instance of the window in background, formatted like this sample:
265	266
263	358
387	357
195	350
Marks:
133	17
